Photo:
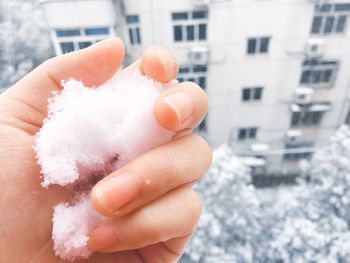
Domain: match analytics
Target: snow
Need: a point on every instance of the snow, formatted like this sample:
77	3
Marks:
90	132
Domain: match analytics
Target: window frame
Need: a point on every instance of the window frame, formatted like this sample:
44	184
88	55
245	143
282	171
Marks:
306	118
82	37
189	28
247	133
255	45
315	72
194	73
330	12
134	29
249	94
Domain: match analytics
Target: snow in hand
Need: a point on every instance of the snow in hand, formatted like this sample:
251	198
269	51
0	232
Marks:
90	132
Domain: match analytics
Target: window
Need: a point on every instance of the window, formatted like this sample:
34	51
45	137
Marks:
306	118
252	94
330	19
79	38
194	73
258	45
67	47
203	125
247	133
190	26
84	44
68	33
297	151
318	72
133	22
97	31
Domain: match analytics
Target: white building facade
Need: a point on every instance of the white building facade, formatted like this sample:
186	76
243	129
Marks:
277	72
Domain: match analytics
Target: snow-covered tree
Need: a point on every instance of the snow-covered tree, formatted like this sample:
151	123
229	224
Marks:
306	223
25	41
228	224
317	229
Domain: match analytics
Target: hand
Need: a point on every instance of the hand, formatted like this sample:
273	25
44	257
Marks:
155	210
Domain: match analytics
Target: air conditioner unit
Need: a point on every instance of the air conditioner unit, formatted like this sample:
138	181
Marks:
292	136
198	56
314	48
201	2
303	95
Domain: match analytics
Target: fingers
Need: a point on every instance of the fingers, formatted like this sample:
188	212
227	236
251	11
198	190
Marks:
181	107
92	65
180	162
151	224
158	63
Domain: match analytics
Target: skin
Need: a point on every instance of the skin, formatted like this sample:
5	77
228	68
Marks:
155	218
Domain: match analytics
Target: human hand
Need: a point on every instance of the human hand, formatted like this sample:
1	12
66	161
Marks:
152	211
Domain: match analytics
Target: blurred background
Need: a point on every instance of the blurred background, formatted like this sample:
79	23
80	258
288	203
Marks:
277	74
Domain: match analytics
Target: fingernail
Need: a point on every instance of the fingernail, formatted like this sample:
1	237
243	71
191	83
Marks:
115	192
103	236
181	103
168	61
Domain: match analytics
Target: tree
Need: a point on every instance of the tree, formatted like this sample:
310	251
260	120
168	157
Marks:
228	225
307	223
25	41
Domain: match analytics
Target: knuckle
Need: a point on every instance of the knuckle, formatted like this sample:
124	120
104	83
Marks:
147	228
194	208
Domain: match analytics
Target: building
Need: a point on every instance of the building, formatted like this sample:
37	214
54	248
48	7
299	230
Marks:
276	72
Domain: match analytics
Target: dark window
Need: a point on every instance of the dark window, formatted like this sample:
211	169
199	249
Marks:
329	25
180	79
131	36
202	31
264	44
247	133
134	35
68	33
258	93
199	14
84	44
199	68
97	31
341	24
306	118
178	33
179	16
203	125
190	32
138	37
184	70
330	18
297	151
132	19
318	72
67	47
342	7
316	25
242	134
258	45
202	83
246	94
251	45
252	94
323	8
